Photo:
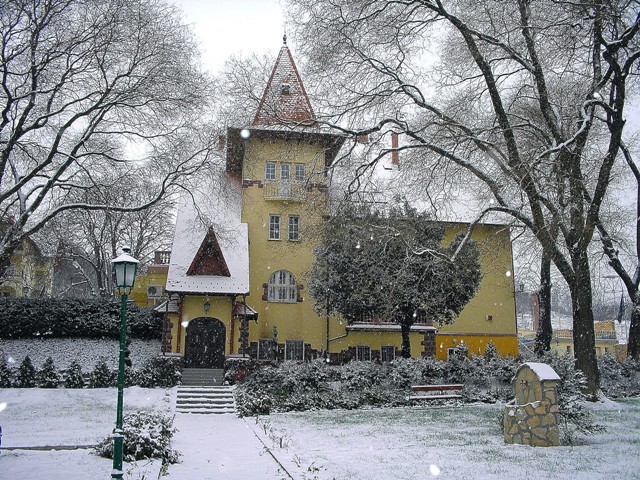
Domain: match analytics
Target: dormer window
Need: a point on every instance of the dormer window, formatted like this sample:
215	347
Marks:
285	89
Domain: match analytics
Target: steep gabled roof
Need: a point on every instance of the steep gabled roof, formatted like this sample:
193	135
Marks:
209	259
195	266
285	101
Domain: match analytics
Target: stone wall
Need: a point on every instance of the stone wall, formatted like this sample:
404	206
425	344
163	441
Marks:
533	419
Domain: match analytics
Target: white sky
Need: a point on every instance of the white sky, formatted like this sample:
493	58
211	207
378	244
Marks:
226	27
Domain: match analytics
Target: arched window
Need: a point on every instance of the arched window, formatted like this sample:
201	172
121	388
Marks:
282	287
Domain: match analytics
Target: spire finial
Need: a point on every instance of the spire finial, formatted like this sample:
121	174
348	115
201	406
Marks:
284	39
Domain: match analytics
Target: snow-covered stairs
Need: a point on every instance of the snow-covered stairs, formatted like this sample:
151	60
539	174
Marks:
205	400
202	377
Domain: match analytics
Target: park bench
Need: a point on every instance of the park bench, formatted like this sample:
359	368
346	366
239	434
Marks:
426	393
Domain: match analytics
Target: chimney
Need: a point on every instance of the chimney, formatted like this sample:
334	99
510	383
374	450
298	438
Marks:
222	141
395	155
364	139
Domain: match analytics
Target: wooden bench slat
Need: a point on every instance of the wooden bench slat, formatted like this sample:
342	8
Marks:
434	397
431	388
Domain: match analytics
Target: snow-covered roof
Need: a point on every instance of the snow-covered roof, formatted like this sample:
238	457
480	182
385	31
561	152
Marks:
543	371
163	308
218	207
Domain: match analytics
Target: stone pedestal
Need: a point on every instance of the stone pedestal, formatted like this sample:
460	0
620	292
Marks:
533	419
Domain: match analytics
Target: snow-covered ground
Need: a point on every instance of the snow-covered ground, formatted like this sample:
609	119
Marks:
448	443
85	351
404	443
67	418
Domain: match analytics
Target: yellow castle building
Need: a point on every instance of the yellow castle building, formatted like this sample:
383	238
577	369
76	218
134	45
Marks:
240	257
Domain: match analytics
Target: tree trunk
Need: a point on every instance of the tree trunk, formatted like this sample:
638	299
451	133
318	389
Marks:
545	330
405	328
633	342
583	329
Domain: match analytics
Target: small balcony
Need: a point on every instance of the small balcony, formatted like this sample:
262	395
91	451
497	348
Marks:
285	190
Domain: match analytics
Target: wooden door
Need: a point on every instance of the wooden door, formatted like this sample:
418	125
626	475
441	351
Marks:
204	343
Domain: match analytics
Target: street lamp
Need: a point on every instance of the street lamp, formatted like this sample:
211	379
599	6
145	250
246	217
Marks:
124	272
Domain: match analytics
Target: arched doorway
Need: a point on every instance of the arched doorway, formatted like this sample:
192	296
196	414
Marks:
204	343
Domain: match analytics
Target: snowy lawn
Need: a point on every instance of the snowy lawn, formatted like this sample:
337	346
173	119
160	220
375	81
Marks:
450	443
67	417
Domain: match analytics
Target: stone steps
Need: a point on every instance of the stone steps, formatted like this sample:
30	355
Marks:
205	400
202	377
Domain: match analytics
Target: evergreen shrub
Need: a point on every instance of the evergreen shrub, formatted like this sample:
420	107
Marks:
73	377
26	376
48	376
147	435
7	374
574	414
102	376
160	372
72	317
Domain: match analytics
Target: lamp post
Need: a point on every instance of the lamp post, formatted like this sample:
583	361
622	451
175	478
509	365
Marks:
124	270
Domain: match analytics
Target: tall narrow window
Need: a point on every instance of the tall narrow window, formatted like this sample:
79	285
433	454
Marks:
299	172
363	352
282	287
274	227
387	353
270	171
285	171
294	350
294	228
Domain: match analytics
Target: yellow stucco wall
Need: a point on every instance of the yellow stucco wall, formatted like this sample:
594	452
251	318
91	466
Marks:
294	321
192	307
490	315
298	321
494	297
142	282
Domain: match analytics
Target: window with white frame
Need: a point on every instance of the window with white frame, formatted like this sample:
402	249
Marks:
363	352
294	228
274	227
282	287
285	171
387	353
294	350
266	349
270	171
299	172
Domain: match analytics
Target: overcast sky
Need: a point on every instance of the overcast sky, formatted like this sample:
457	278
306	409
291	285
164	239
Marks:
226	27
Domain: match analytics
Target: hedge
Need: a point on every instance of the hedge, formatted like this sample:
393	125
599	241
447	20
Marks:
71	317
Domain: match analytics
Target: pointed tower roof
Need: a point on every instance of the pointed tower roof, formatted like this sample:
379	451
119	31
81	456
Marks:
284	99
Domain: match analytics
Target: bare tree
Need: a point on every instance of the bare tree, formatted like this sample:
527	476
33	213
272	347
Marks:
89	239
528	97
92	87
629	273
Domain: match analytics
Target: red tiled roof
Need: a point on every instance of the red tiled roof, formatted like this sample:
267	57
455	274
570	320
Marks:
285	101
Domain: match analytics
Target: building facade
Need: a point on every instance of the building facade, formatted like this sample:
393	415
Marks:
241	256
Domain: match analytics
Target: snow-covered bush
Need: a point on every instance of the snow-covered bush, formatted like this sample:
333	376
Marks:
574	414
6	374
160	372
146	435
459	367
102	376
73	377
26	376
73	317
490	351
48	376
619	379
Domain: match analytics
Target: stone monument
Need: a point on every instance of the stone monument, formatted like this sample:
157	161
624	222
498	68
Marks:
533	419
